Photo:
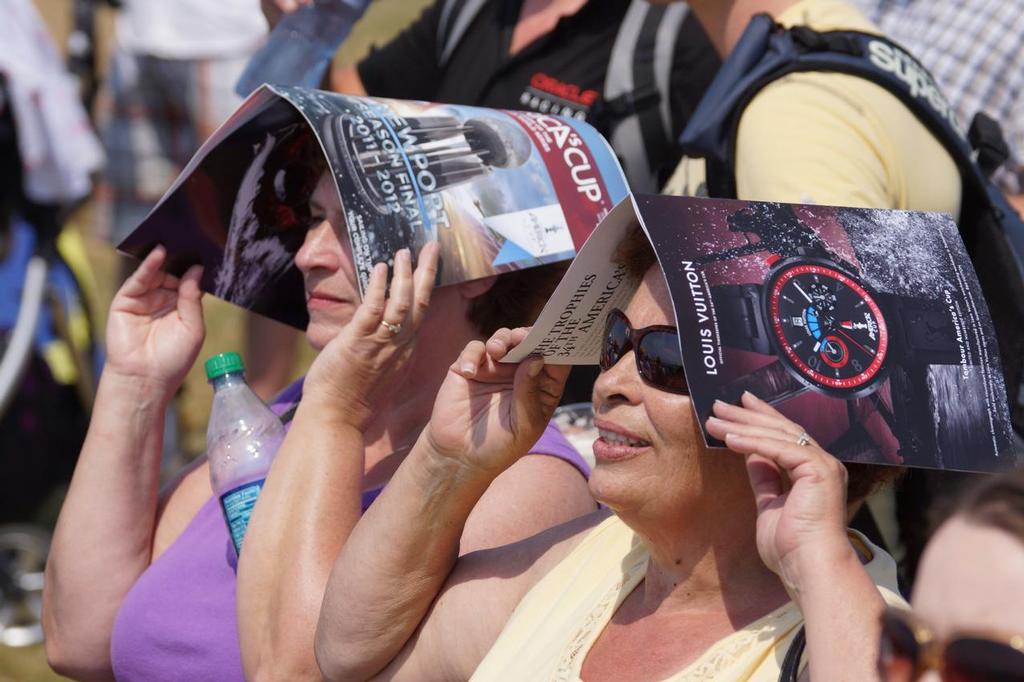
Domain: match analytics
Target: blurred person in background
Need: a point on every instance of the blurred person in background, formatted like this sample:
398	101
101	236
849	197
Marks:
975	51
967	621
170	84
48	152
48	350
141	583
823	137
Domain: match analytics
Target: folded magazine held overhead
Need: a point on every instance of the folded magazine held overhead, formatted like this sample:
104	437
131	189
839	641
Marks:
499	191
866	327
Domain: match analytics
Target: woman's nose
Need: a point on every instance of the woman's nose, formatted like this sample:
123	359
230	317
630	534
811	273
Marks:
618	383
320	249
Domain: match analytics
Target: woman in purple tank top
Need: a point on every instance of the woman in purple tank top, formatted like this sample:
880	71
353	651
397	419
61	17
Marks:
143	585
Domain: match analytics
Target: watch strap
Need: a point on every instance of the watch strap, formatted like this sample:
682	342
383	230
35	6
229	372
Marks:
923	330
740	321
772	383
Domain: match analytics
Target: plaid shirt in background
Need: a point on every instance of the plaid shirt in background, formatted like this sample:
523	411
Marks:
975	50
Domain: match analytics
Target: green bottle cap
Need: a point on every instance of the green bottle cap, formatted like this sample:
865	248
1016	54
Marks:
223	363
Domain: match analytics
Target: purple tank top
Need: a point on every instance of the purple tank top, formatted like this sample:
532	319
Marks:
178	620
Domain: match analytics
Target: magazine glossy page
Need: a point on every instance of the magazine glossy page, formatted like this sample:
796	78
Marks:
499	190
866	327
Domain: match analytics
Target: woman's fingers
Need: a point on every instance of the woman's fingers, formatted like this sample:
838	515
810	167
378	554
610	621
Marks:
504	340
766	480
756	412
368	316
190	307
400	298
720	427
752	402
787	455
405	303
470	359
423	282
147	275
552	383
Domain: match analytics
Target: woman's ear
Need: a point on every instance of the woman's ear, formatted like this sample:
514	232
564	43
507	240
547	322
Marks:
477	287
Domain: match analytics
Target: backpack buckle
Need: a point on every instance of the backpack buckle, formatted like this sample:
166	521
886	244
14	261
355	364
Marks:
986	138
816	41
611	111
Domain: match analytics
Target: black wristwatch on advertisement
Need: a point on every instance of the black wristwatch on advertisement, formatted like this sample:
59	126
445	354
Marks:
831	330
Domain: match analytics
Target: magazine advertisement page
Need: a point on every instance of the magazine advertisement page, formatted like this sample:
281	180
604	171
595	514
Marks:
499	191
866	327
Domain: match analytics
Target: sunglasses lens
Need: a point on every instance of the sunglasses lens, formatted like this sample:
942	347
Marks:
982	660
660	361
616	338
899	651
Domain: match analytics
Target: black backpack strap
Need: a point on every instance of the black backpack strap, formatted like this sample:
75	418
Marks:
791	664
456	17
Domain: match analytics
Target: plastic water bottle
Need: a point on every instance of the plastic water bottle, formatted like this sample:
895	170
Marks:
301	45
241	440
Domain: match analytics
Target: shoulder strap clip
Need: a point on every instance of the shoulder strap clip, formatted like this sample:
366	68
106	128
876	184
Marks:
816	41
986	137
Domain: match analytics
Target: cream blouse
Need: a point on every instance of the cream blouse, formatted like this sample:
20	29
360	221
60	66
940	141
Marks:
556	623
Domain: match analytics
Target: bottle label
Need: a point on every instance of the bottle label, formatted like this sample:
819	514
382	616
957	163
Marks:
237	505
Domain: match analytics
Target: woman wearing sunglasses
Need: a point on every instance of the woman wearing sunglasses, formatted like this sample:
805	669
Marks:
704	566
967	622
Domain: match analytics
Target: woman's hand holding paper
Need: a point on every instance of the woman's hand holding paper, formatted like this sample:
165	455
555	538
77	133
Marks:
155	328
359	369
489	413
799	489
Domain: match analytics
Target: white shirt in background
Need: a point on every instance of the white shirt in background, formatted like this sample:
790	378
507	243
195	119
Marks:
191	29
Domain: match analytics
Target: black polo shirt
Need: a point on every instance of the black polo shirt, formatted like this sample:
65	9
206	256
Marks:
562	72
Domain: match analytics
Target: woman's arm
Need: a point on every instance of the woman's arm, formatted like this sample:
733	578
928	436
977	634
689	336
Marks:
307	507
312	496
800	491
401	552
536	493
104	535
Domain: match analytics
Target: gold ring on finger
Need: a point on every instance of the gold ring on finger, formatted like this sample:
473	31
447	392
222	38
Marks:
393	329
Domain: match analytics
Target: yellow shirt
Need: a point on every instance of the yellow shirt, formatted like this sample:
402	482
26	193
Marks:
831	138
556	623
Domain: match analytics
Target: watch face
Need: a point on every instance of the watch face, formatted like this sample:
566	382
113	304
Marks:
827	327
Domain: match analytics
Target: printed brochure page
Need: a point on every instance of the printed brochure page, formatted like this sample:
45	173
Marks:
866	327
498	190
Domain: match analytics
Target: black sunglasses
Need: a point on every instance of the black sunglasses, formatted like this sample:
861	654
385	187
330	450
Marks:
909	649
658	359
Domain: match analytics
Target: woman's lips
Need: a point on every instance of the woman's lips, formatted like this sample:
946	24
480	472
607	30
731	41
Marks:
320	301
615	443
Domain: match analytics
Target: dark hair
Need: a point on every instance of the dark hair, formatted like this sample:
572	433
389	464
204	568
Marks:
863	480
516	298
634	252
996	501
